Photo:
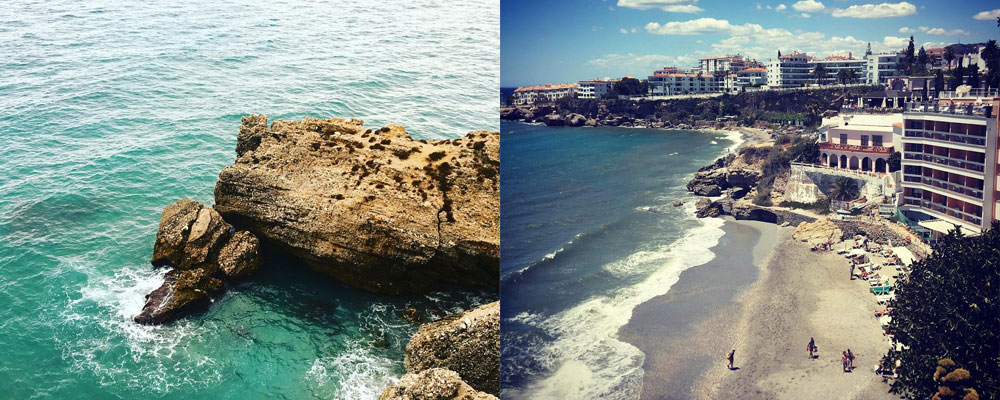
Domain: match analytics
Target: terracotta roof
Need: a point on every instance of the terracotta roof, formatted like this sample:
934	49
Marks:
751	71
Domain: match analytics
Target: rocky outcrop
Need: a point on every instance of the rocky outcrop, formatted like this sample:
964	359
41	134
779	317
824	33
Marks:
818	232
574	119
746	211
433	384
713	181
199	245
373	208
553	120
467	343
707	208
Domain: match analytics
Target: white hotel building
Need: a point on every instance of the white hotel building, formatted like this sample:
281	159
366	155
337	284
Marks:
594	88
670	84
796	69
542	93
880	67
950	162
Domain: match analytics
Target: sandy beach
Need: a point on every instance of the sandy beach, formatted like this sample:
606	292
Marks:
790	295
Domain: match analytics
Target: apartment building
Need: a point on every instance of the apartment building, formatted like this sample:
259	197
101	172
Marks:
790	70
542	93
748	77
678	83
834	64
950	161
594	88
881	66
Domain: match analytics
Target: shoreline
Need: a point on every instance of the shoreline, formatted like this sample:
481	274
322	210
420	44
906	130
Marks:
795	294
663	328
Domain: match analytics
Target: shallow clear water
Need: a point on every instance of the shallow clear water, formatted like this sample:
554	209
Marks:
589	232
110	112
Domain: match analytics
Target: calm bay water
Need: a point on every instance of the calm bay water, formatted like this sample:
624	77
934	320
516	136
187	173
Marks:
588	232
111	111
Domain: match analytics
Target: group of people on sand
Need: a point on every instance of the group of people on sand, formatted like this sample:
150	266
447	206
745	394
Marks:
847	357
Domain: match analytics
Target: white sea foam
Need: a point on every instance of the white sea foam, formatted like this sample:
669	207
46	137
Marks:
587	359
355	373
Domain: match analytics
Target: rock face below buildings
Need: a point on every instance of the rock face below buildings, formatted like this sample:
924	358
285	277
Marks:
467	343
199	245
433	384
818	232
713	181
373	208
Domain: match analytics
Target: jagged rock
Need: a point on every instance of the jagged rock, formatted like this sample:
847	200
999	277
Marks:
375	209
467	343
745	211
678	203
411	314
818	232
511	113
240	257
196	241
741	177
182	290
553	120
574	119
591	122
190	235
433	384
706	189
707	208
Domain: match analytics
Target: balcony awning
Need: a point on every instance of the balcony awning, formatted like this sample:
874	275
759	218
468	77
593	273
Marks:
943	227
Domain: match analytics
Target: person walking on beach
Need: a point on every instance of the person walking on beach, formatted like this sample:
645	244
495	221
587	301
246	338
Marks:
811	347
730	357
850	359
843	361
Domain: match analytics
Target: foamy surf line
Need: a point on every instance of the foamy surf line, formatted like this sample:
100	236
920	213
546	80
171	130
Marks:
586	360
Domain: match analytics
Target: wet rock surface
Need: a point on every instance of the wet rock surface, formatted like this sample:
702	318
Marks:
376	209
467	343
198	244
433	384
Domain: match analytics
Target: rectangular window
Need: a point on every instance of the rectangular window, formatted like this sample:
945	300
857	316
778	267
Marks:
877	141
843	138
864	140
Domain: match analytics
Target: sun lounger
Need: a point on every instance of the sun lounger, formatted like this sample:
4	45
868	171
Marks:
884	289
882	299
884	311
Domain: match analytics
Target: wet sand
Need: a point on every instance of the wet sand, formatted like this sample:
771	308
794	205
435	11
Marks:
789	295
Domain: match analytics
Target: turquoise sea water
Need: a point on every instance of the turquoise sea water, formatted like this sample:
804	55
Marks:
111	111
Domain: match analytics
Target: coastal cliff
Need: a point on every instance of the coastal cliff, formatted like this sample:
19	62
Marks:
743	109
376	209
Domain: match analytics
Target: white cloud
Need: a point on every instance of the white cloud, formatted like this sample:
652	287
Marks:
895	43
923	28
677	6
946	32
758	6
692	27
804	15
780	8
634	30
683	8
611	8
987	15
884	10
623	31
808	6
906	30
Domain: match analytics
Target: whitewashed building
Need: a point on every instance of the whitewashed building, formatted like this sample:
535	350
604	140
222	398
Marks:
542	93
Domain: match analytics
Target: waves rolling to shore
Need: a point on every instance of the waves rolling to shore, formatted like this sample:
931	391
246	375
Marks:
591	234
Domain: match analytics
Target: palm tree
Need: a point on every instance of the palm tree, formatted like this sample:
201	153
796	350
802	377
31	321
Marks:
820	72
844	189
949	55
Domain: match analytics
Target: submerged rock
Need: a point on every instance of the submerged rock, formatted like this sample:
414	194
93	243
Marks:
373	208
467	343
433	384
707	208
197	243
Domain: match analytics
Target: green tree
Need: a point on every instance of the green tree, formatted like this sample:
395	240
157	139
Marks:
820	73
949	55
939	82
921	67
958	74
991	55
842	76
948	307
908	57
844	189
974	75
630	87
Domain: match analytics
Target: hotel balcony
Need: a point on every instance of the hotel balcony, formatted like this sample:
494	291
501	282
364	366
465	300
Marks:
946	161
941	210
945	185
885	150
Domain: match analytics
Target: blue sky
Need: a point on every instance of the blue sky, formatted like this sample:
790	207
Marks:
554	41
